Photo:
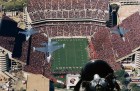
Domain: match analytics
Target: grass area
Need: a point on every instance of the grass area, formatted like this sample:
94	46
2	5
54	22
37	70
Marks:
72	57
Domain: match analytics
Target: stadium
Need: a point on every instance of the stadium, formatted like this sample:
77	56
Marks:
84	27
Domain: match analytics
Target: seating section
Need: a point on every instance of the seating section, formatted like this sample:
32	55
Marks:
111	47
48	9
103	44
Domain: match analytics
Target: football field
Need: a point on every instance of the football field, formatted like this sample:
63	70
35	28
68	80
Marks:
72	57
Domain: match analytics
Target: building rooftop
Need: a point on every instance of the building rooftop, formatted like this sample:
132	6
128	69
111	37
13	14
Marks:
37	83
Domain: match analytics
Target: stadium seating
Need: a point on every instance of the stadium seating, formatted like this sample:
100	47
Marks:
38	64
44	9
111	47
103	45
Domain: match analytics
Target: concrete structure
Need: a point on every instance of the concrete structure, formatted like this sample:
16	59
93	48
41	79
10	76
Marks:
3	61
3	77
37	83
131	63
6	58
127	8
26	17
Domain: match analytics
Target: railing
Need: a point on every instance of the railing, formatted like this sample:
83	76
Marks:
127	2
68	20
137	59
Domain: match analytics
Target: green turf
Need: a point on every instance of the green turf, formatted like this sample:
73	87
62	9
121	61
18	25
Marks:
72	57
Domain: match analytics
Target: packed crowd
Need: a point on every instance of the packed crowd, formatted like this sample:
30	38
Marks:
92	52
111	47
7	42
132	24
103	45
37	62
69	29
132	41
41	9
103	48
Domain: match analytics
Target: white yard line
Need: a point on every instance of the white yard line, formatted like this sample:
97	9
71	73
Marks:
74	54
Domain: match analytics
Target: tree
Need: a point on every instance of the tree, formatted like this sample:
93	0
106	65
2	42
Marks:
124	89
134	87
120	73
15	5
22	89
123	77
